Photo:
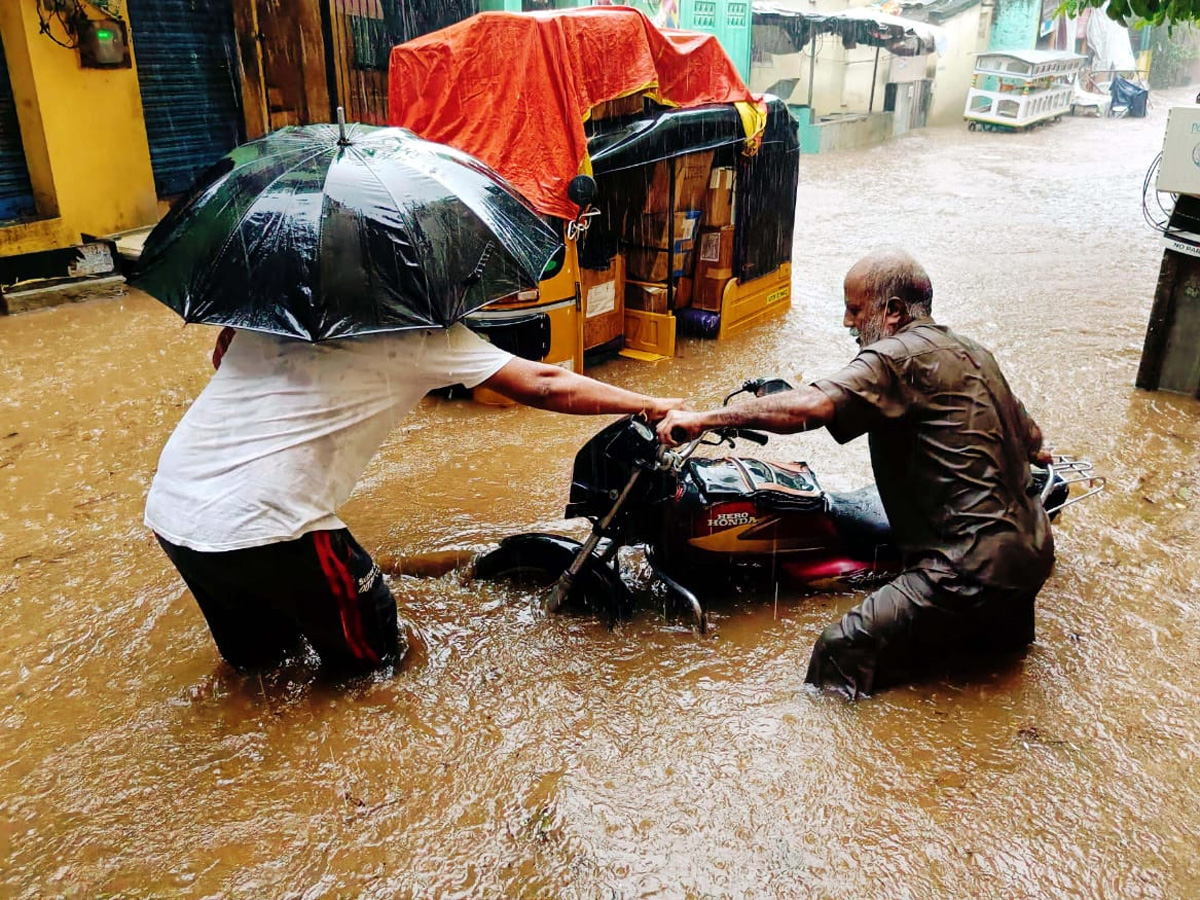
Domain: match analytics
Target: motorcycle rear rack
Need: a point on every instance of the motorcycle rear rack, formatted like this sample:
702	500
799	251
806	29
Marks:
1071	471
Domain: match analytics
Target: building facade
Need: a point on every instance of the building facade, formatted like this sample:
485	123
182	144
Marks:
94	147
74	157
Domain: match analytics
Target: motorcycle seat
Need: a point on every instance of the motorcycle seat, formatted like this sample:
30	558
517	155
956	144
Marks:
859	518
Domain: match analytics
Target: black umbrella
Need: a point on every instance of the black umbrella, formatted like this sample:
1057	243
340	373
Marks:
325	232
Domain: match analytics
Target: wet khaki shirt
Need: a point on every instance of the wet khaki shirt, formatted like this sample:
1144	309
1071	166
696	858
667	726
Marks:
948	446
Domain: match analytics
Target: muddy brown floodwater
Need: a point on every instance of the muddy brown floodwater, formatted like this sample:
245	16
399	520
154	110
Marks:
525	757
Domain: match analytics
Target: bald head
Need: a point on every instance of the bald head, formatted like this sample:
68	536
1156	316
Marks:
884	274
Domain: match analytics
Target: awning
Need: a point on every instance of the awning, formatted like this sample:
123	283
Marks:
861	25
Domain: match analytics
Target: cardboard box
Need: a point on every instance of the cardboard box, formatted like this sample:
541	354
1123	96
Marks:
603	295
657	297
632	105
710	289
714	267
691	181
646	296
646	245
645	264
718	199
652	230
683	293
716	249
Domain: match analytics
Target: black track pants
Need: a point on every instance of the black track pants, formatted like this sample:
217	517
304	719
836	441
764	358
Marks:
915	626
322	586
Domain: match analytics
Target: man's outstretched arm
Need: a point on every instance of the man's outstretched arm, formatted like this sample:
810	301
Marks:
1033	437
559	390
801	409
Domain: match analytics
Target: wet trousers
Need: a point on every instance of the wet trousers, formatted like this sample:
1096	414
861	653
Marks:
915	626
259	602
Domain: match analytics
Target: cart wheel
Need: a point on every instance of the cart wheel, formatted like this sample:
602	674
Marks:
971	126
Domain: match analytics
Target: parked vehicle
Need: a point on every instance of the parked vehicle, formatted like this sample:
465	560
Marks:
683	150
707	523
1016	90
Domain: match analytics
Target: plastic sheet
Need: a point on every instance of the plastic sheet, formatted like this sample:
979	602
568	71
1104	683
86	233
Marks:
698	323
1127	94
299	235
786	30
1109	43
515	89
766	214
767	181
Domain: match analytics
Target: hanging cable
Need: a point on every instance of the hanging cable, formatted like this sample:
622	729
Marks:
72	17
67	20
1159	215
1159	225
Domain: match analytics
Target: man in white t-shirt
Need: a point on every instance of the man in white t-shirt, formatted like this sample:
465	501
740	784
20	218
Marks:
246	495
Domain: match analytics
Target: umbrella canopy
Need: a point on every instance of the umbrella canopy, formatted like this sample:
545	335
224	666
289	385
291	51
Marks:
316	234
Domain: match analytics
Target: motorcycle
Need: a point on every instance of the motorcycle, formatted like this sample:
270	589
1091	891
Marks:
717	521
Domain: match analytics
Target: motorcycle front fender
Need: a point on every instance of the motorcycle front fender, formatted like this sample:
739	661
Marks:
598	586
547	552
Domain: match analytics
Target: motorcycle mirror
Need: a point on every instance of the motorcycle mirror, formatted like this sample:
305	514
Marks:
767	386
582	190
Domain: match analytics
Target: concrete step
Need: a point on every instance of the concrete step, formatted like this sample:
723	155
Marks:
48	277
129	243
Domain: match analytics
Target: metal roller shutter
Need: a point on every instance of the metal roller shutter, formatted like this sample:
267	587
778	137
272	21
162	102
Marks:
16	194
188	71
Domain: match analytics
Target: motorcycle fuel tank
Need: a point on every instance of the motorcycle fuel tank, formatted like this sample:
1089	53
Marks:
750	508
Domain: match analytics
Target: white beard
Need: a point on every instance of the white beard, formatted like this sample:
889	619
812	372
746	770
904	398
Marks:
874	329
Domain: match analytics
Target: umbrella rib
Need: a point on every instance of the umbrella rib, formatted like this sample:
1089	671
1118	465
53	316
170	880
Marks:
216	186
468	202
387	190
220	255
435	176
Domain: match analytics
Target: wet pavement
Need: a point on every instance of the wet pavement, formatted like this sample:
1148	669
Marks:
517	756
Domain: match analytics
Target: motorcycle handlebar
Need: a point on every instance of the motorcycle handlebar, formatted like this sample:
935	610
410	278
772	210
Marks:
755	437
679	435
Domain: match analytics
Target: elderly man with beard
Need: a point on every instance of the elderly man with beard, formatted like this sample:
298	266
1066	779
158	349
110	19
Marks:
950	448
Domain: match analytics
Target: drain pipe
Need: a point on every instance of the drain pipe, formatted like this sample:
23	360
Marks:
874	77
812	67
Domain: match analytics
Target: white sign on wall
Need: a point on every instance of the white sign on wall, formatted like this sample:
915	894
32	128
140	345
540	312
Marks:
601	299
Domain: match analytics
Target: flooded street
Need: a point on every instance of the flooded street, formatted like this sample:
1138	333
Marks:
518	756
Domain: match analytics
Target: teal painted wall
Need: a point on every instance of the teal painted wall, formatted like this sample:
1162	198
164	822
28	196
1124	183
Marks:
1016	25
728	20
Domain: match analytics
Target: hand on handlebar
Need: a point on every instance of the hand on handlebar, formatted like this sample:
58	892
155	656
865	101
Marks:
680	425
662	406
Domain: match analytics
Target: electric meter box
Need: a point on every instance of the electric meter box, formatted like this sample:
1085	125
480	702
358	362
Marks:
1179	171
103	44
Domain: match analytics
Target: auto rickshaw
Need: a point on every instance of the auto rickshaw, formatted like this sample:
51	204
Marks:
684	222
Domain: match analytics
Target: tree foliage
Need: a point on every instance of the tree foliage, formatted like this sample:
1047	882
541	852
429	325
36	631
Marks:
1173	55
1141	13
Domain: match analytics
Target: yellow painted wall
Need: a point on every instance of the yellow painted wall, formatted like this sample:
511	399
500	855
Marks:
84	137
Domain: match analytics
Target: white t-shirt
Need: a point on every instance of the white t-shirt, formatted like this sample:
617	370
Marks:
277	440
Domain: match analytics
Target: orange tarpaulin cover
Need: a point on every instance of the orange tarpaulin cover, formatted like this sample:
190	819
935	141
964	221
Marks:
514	89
